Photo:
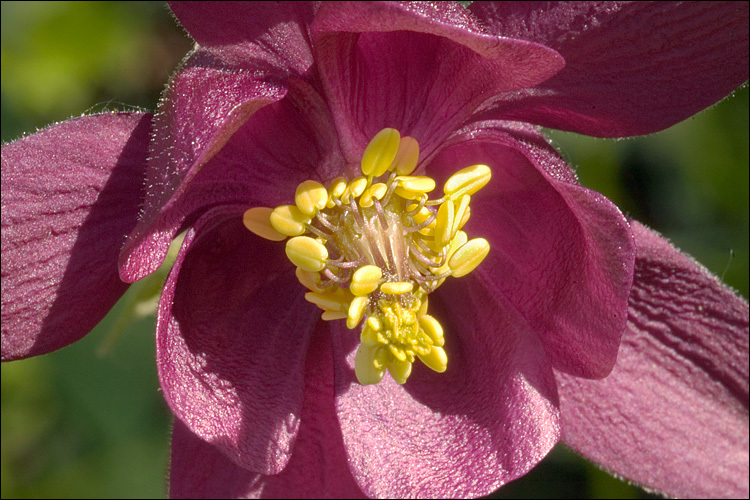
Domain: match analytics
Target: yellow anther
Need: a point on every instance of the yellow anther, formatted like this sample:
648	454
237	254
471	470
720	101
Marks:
412	187
396	287
309	279
258	221
444	227
365	365
356	311
457	242
354	189
428	231
407	156
432	328
468	180
288	220
422	307
307	253
462	213
399	369
376	191
357	186
335	189
468	257
369	337
365	280
435	359
332	315
366	199
465	218
380	152
310	197
330	301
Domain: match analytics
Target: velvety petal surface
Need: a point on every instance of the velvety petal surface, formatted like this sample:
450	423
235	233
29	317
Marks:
70	194
205	104
232	333
317	469
631	68
421	68
488	419
284	144
259	36
673	414
561	254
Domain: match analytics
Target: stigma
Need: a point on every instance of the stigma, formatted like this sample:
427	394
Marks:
371	249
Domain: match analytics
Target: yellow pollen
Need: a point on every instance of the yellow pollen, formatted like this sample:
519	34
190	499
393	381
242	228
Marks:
371	249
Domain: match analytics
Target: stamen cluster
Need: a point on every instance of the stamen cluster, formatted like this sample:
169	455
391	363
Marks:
371	250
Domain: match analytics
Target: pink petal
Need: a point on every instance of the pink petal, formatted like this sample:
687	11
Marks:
673	415
421	68
70	195
253	35
560	253
232	334
262	166
317	469
486	421
205	104
631	68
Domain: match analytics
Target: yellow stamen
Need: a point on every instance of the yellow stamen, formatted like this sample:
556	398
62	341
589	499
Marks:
407	156
310	279
376	191
444	224
354	189
468	180
468	257
380	152
335	189
400	369
371	250
435	359
307	253
462	213
356	311
396	287
258	221
337	300
413	187
332	315
365	280
366	365
310	197
433	329
288	220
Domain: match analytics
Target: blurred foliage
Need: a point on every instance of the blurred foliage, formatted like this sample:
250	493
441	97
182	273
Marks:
89	420
61	59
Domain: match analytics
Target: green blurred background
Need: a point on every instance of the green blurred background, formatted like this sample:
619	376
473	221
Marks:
89	421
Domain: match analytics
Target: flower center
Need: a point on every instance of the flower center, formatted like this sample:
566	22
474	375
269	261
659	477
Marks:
371	250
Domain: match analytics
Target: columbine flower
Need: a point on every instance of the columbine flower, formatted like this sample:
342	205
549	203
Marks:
331	127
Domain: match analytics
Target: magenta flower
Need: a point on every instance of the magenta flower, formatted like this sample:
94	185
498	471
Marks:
579	325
